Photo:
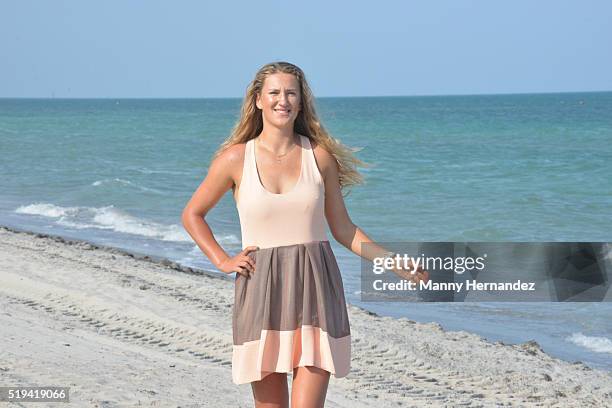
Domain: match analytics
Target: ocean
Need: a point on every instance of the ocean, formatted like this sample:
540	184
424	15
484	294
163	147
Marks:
529	167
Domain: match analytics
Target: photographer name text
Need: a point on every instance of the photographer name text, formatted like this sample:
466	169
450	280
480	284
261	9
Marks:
469	285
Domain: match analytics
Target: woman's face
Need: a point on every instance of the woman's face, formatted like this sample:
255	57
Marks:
279	99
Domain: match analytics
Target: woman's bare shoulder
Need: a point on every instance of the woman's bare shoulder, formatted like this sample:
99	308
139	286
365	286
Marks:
323	158
231	159
233	153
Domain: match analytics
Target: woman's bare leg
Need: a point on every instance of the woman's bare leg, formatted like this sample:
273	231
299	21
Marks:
271	391
309	387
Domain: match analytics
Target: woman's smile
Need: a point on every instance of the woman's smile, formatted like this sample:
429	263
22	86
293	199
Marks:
283	112
280	99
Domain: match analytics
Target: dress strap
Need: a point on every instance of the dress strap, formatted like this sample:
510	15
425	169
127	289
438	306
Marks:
311	167
247	167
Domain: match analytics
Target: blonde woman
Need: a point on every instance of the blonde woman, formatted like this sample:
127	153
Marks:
286	173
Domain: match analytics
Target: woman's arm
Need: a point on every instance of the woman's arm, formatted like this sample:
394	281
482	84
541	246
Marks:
340	224
342	228
220	178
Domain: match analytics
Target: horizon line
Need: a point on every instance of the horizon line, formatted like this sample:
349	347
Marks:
316	97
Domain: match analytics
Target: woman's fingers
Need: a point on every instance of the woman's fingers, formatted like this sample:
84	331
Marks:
242	271
251	263
425	276
246	257
419	275
245	265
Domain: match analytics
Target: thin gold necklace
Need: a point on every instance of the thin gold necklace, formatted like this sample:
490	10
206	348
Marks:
279	157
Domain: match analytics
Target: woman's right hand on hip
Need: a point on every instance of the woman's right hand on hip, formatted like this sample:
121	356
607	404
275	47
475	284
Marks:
241	263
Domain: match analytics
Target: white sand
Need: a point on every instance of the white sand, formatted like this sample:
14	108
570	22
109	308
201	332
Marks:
120	331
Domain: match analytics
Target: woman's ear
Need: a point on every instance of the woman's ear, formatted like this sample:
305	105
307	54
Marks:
257	101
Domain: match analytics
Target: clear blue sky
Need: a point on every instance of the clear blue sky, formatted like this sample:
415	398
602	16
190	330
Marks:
347	48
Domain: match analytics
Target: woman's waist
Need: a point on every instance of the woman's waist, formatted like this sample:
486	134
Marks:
276	234
280	247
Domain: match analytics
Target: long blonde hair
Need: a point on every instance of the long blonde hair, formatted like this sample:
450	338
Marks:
307	123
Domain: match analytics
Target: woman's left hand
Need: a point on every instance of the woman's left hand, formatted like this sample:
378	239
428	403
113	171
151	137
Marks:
419	275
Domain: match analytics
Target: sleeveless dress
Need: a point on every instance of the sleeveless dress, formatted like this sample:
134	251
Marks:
291	312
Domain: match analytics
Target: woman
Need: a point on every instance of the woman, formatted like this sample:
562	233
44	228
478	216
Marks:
286	173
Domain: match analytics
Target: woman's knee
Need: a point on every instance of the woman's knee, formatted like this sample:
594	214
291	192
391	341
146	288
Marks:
271	391
309	387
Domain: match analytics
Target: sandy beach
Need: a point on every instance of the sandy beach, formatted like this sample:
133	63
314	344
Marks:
126	330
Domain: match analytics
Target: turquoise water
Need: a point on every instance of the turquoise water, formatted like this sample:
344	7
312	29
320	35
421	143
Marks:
454	168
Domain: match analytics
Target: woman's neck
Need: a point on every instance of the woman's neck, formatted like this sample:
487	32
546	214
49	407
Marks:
277	140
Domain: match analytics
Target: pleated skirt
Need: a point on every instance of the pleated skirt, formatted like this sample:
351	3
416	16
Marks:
290	313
